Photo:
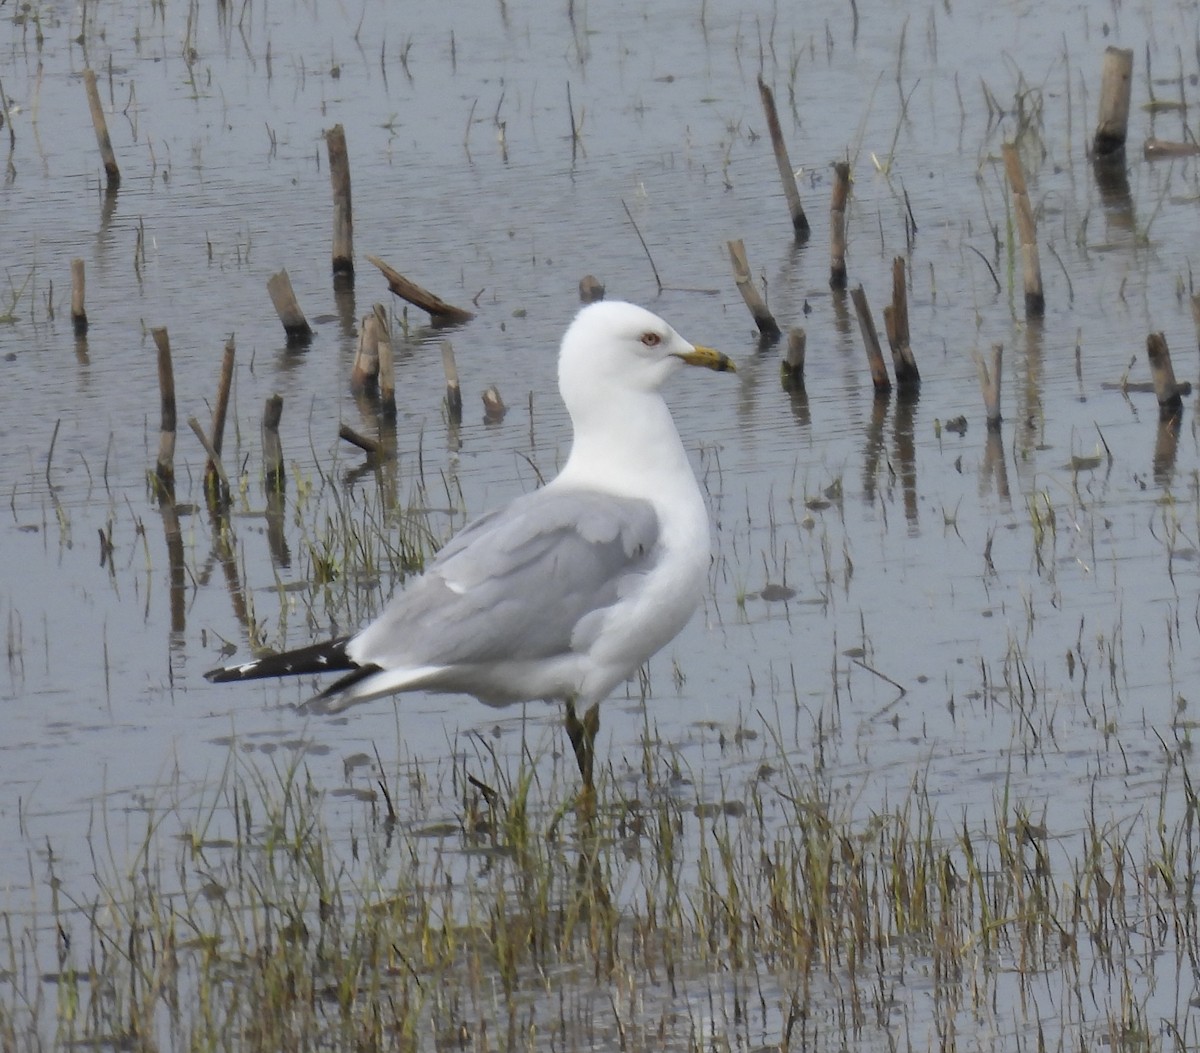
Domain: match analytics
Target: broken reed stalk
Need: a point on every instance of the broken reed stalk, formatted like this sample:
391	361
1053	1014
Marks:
79	317
1166	390
1035	301
274	476
164	469
895	322
494	408
1116	83
371	447
837	225
295	325
1163	149
112	174
591	289
343	215
217	490
787	175
645	248
365	372
759	311
214	472
453	391
989	384
870	335
440	312
791	369
387	364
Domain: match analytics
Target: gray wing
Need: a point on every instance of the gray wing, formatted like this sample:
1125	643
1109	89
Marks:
515	583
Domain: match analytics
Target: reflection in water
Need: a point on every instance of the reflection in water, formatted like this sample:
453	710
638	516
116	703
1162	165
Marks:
1112	180
224	553
905	450
798	400
346	307
1166	442
842	320
994	466
1031	419
873	446
276	535
108	208
176	567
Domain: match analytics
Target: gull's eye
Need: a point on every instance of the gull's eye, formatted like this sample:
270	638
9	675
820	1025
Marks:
651	339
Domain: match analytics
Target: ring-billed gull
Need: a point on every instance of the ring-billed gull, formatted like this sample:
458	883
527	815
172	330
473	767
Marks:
567	590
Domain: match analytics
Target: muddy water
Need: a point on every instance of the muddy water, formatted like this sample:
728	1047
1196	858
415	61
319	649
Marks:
970	615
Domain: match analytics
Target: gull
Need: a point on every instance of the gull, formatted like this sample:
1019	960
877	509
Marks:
566	591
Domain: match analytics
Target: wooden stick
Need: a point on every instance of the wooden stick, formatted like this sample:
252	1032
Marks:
343	215
387	364
837	225
1035	302
1170	404
165	467
590	289
791	369
895	322
365	372
79	317
759	311
213	471
787	175
273	471
112	173
870	335
453	391
989	383
295	325
1116	81
440	312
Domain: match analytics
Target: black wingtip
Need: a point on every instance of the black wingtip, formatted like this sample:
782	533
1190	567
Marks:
333	699
326	657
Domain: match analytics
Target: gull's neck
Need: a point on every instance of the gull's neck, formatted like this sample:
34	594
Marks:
634	451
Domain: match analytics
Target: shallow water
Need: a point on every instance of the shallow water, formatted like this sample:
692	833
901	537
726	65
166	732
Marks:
938	591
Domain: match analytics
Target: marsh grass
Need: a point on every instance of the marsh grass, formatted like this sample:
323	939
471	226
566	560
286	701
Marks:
764	909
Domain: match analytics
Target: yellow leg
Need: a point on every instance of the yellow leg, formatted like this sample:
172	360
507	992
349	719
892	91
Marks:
582	734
